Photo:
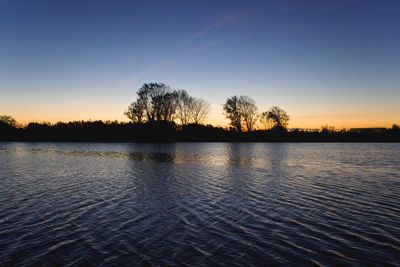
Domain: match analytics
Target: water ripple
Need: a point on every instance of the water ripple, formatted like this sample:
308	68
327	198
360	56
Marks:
199	204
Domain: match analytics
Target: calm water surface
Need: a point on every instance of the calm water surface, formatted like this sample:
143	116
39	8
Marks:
199	204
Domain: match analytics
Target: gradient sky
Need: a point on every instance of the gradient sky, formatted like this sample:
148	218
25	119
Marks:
324	62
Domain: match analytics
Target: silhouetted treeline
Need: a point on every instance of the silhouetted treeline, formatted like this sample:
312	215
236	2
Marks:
163	114
157	102
9	132
166	131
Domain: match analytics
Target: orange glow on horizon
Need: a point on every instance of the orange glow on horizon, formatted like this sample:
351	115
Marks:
311	117
306	122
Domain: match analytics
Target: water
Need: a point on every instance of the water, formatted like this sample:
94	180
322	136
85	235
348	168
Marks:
199	204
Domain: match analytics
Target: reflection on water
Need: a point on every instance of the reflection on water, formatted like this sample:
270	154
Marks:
156	157
199	204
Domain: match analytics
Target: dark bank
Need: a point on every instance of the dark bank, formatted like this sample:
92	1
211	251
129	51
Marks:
163	114
99	131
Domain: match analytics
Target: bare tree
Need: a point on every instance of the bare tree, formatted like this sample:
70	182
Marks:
169	105
249	112
135	112
278	116
199	109
183	107
266	123
152	95
233	113
242	112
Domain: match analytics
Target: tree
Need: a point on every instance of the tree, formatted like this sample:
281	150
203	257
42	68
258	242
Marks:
183	107
242	112
8	120
267	123
327	129
199	109
135	112
155	102
248	110
278	116
151	95
169	105
233	113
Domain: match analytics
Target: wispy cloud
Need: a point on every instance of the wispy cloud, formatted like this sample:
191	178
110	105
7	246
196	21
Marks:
190	45
151	68
222	21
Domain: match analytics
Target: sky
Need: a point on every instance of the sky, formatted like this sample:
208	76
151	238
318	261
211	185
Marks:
324	62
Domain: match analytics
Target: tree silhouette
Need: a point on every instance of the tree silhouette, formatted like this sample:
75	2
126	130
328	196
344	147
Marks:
183	107
169	104
199	109
278	116
266	123
327	129
155	102
135	112
164	131
158	107
8	128
242	112
248	110
8	120
233	113
158	102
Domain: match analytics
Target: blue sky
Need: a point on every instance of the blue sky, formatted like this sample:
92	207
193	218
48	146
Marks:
325	62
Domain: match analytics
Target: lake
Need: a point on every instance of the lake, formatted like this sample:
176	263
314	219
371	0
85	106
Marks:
199	204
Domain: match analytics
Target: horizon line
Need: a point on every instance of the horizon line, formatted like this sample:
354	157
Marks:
226	126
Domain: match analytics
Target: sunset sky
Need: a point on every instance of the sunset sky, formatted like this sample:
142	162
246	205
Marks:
324	62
